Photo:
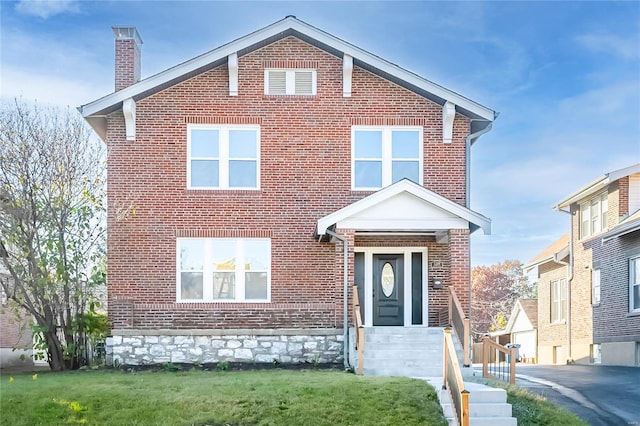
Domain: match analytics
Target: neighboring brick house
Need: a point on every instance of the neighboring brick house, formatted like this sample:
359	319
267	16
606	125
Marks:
234	177
551	270
588	296
16	338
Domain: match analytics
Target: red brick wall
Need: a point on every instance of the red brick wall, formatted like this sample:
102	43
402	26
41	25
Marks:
127	63
305	175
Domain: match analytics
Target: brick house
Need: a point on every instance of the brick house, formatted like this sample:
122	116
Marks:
550	269
16	338
237	179
589	289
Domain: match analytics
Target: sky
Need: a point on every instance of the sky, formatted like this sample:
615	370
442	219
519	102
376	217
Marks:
564	76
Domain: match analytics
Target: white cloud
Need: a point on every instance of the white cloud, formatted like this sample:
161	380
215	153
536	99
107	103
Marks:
624	47
47	8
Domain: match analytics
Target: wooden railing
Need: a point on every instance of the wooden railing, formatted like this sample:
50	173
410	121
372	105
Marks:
452	380
496	369
461	324
359	330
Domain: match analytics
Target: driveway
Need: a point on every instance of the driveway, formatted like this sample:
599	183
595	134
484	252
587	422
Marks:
600	395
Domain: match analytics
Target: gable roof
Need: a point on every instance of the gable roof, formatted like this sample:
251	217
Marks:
96	111
627	226
527	306
597	185
556	251
447	211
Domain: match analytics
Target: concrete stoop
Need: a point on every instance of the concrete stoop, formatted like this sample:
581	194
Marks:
487	406
417	352
403	351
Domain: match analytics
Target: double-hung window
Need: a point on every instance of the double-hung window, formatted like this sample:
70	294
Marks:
384	155
223	157
223	269
558	300
634	284
594	215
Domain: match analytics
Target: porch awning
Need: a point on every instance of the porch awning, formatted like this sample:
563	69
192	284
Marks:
404	207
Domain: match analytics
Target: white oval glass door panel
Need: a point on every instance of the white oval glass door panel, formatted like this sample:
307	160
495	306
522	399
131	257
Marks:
388	279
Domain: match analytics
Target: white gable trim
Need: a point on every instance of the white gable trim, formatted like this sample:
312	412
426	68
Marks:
232	63
460	216
272	30
448	114
129	112
347	71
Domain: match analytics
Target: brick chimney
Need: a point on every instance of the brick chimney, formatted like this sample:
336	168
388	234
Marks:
128	43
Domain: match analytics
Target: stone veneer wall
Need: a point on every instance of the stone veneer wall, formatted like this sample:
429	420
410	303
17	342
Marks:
145	347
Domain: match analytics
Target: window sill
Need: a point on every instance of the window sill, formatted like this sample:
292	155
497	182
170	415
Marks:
221	302
561	322
633	314
226	191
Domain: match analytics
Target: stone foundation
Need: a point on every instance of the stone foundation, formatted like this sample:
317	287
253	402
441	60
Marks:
145	347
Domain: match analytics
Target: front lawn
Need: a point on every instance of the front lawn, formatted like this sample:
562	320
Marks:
274	397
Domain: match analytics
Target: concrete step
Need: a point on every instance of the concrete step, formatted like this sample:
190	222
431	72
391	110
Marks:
400	353
435	331
400	371
481	413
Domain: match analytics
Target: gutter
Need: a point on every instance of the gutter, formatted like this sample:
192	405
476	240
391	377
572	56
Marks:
345	344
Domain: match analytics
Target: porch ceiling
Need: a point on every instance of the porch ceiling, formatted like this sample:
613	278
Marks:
404	207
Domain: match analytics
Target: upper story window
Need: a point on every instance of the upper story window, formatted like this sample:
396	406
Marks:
223	269
223	157
594	215
384	155
634	284
290	82
558	300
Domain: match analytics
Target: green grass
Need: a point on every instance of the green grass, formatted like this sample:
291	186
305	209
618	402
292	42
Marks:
274	397
534	410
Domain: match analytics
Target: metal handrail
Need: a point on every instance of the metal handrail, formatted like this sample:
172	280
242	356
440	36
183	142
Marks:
498	370
359	330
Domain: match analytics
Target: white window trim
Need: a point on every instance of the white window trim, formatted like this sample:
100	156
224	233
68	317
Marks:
562	316
207	273
290	89
633	276
223	155
387	158
587	206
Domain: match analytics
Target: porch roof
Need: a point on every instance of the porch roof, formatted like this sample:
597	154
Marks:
404	207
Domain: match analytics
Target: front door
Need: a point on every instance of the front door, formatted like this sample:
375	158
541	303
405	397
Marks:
388	284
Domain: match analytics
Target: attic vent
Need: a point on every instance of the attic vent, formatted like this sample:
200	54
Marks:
290	82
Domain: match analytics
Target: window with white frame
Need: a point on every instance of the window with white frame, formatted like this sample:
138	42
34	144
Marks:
384	155
223	269
558	300
290	82
223	157
594	215
595	286
634	284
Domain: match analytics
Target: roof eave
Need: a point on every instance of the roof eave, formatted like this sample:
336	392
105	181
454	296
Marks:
463	105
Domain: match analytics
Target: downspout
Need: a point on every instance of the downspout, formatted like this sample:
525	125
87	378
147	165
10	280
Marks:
345	294
469	141
569	278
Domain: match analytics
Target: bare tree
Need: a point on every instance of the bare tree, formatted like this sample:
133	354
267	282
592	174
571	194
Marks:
495	290
52	233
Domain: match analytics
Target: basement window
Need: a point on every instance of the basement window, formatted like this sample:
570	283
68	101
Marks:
289	82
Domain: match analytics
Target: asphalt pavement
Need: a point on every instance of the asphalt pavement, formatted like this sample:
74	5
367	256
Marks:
600	395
